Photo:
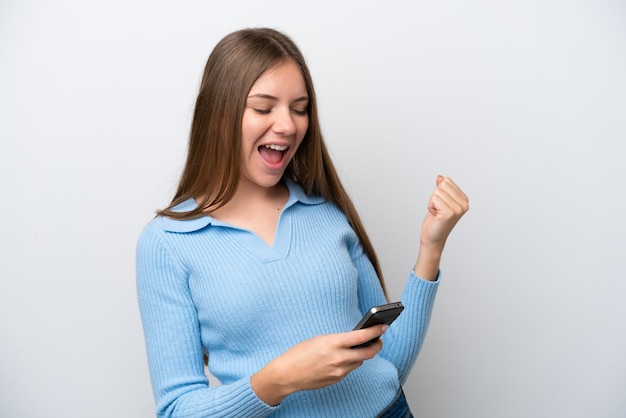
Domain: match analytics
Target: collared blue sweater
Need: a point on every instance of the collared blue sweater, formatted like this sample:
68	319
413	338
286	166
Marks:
205	286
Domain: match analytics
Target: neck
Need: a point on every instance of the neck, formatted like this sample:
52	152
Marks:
250	196
255	208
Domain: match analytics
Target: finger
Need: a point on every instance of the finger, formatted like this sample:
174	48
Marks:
453	197
362	336
452	189
360	354
443	202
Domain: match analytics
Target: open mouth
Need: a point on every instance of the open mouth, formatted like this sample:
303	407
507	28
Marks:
272	153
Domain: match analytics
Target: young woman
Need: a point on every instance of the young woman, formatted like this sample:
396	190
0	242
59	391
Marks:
261	264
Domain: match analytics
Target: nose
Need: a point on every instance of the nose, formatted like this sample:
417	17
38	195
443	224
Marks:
284	123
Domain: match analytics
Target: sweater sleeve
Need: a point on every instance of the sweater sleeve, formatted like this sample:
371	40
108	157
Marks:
404	342
173	346
404	338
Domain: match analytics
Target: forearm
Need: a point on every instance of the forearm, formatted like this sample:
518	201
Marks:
428	262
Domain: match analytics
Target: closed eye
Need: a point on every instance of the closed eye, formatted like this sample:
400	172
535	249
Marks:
268	111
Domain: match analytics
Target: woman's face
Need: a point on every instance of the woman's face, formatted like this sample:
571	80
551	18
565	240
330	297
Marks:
274	123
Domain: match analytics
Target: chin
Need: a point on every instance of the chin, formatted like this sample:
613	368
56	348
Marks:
266	181
269	183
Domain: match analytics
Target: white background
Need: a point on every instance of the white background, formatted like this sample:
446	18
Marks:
522	102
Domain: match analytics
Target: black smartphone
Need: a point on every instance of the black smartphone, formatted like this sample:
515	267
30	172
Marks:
378	315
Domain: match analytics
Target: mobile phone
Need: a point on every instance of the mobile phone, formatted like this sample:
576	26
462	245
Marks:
378	315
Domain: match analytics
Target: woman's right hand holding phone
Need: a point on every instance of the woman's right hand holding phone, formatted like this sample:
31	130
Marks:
315	363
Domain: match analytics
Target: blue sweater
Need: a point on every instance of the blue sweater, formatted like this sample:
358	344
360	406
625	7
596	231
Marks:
208	287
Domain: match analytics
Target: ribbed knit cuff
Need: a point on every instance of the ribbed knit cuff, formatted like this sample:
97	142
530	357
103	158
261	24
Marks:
248	403
413	276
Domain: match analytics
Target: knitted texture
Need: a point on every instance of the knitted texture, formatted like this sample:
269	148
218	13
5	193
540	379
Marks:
208	287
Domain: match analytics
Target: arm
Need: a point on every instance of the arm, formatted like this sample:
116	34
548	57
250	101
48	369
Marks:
404	339
173	345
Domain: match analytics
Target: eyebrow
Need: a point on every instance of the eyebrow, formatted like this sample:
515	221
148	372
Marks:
270	97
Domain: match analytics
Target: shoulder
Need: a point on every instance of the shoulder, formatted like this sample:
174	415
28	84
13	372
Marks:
151	239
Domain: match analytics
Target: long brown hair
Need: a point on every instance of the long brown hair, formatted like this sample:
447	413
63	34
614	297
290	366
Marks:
212	168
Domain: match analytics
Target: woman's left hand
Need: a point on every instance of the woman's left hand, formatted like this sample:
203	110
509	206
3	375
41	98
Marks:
446	206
